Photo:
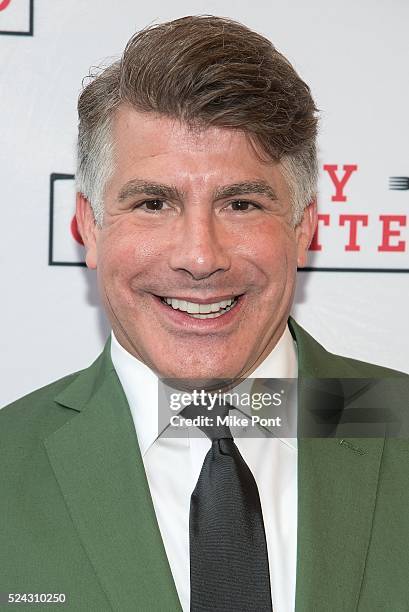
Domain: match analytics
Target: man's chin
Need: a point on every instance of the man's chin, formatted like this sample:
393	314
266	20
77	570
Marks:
189	381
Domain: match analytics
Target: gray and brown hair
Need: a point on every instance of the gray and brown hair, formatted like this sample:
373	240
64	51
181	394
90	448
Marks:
205	71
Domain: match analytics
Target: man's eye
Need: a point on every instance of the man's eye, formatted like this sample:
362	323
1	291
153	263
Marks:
243	205
151	205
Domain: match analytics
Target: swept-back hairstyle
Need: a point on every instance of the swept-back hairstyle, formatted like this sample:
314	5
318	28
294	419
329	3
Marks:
205	71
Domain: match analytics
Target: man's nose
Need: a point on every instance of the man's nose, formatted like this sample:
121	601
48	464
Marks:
200	246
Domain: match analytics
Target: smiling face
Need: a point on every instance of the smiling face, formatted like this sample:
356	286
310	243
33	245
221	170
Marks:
197	254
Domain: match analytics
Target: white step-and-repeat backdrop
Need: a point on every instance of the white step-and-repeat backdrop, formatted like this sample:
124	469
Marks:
354	297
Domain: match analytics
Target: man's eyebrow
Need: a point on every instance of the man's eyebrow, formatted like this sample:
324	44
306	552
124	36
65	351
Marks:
246	187
169	192
150	188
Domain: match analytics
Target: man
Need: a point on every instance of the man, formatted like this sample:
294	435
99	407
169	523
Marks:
196	202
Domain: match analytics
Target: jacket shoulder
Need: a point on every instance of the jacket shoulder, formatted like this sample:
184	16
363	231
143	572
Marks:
315	360
35	413
365	369
42	394
43	409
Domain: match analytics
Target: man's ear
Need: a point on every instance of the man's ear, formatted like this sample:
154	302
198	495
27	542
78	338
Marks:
88	229
305	232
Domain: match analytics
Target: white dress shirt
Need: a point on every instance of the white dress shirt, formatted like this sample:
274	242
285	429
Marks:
173	466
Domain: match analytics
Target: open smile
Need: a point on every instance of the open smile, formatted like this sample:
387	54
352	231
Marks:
198	310
204	314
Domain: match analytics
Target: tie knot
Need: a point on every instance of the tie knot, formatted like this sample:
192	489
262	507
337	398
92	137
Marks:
213	421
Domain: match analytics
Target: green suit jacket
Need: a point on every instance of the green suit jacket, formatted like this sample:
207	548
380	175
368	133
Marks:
77	517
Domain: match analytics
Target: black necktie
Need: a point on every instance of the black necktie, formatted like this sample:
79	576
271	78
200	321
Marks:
228	551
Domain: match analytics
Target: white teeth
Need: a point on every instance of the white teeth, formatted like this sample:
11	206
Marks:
205	308
201	311
192	308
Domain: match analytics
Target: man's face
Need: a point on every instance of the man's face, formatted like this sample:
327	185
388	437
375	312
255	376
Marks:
193	220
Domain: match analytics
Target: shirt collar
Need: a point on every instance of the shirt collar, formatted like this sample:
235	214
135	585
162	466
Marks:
140	384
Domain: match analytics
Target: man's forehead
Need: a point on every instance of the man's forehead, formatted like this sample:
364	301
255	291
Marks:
192	134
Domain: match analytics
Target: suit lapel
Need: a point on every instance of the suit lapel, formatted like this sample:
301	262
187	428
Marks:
337	486
96	460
